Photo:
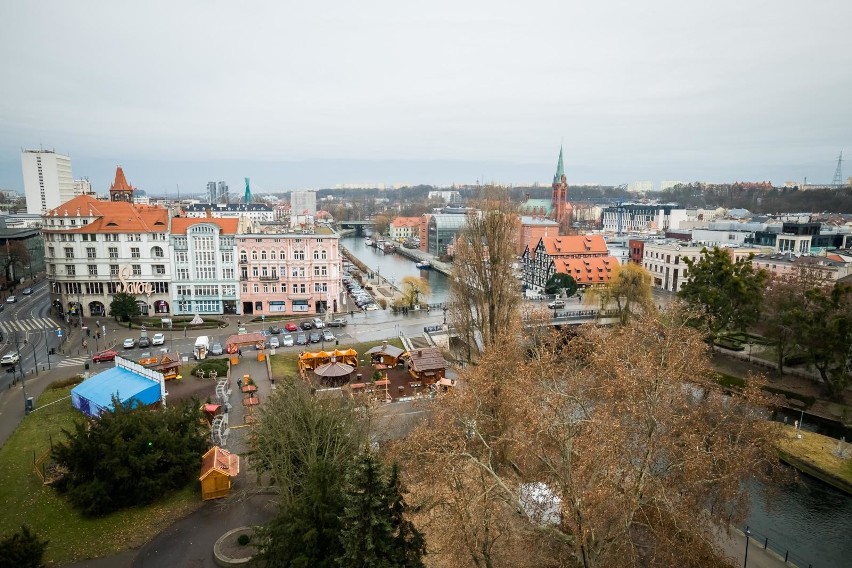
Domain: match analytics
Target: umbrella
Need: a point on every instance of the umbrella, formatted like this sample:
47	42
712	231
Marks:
196	320
331	370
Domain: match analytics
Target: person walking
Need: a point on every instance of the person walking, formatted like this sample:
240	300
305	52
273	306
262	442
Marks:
239	352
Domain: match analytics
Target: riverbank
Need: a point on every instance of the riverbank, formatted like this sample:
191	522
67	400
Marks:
817	456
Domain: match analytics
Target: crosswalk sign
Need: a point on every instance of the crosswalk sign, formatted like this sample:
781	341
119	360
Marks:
59	333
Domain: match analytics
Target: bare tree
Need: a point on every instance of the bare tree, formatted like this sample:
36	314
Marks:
414	289
629	287
16	256
484	294
635	451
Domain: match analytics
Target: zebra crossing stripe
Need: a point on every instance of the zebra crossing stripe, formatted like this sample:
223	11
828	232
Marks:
34	324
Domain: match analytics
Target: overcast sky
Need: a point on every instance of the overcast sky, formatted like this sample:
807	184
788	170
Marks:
660	89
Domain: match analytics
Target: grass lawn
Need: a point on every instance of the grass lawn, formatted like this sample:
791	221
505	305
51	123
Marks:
286	364
812	453
24	500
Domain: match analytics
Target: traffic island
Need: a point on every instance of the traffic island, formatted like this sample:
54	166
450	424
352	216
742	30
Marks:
819	456
232	548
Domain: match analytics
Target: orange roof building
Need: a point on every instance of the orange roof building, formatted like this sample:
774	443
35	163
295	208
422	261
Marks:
218	468
95	249
403	228
585	258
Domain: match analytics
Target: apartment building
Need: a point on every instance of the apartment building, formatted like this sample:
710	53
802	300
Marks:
666	261
204	265
282	272
403	228
585	258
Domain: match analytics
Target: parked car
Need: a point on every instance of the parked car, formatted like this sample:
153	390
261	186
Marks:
10	359
158	339
108	355
372	307
27	291
318	323
144	342
306	325
129	343
301	339
216	349
556	305
273	342
287	340
11	300
290	326
337	322
274	329
327	335
315	337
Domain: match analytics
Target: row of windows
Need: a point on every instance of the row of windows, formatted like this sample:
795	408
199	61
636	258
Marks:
275	255
110	287
272	272
91	252
183	290
92	269
319	287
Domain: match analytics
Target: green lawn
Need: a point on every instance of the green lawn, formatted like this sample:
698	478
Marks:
24	500
286	364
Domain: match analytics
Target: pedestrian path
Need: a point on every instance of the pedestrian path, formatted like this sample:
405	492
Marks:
29	325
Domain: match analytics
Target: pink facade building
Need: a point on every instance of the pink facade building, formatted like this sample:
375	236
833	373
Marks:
288	273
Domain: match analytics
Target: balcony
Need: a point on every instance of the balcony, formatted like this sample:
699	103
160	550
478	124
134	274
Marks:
243	261
273	278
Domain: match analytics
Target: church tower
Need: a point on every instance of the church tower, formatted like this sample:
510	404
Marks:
120	190
562	210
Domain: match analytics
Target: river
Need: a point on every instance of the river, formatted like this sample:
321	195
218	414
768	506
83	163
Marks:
810	518
394	267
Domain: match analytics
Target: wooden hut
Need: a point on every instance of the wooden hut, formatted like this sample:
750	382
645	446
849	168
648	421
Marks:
218	466
384	354
426	365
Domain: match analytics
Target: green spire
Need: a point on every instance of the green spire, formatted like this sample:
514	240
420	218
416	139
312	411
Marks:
247	196
560	170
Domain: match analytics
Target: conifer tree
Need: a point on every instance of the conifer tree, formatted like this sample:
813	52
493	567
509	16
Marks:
408	545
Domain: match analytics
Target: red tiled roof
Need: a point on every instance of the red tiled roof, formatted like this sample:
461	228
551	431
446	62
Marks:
227	224
112	216
575	244
120	183
223	461
406	222
592	270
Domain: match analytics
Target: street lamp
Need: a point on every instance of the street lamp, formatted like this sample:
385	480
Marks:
750	343
445	313
748	537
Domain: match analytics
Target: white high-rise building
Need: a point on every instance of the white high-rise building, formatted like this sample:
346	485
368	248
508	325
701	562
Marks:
47	180
303	202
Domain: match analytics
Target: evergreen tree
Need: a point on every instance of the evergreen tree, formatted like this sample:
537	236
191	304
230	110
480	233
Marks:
367	530
123	306
408	545
561	282
22	550
305	532
128	457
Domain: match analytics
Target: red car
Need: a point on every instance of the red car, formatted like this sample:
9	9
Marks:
108	355
291	326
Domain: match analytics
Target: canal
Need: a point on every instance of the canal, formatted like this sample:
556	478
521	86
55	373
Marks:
810	518
395	267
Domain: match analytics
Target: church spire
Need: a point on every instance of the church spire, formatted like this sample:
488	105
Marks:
560	170
247	196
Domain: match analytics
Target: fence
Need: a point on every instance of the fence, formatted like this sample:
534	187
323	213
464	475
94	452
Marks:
789	557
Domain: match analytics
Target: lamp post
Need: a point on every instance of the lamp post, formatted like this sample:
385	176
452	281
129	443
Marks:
750	343
748	537
445	314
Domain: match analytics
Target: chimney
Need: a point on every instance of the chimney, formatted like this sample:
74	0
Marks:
419	352
209	212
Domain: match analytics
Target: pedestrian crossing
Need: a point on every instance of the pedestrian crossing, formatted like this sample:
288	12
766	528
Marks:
28	325
72	362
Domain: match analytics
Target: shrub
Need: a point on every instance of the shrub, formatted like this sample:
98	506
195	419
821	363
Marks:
22	550
243	539
218	365
729	344
67	382
794	360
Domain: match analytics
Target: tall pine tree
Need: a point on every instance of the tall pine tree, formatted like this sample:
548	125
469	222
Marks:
408	546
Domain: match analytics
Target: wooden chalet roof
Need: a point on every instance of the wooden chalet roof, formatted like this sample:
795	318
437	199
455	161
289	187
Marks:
389	350
427	359
574	245
591	270
223	461
111	216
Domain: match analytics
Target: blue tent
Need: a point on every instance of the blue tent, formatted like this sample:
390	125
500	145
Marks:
94	396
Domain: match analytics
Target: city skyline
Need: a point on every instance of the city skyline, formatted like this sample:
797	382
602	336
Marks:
302	96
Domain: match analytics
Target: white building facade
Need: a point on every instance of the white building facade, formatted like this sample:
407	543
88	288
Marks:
637	217
254	211
303	203
665	262
48	181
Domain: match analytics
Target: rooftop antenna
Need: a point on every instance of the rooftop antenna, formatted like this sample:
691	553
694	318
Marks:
838	173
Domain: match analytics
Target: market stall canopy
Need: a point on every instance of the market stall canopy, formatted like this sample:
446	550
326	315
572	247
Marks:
330	370
243	340
196	320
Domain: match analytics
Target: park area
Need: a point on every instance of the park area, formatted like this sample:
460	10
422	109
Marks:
27	501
